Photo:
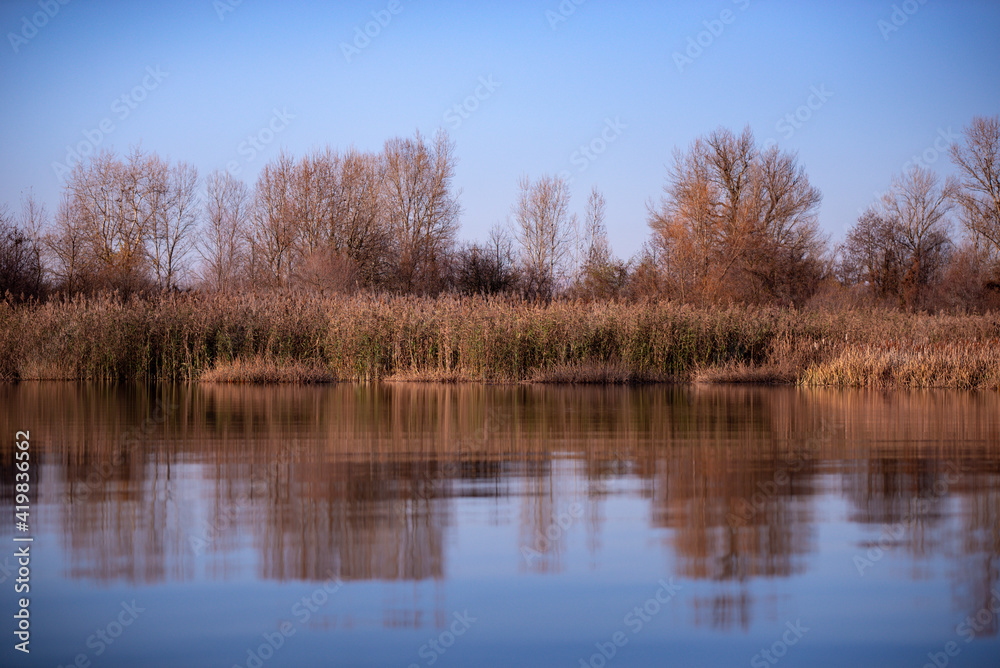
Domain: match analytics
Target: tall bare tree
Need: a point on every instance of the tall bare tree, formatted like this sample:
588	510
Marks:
544	230
65	249
139	195
115	222
693	248
601	275
874	257
312	185
360	228
175	220
421	208
594	236
785	254
273	230
978	195
223	244
918	204
33	218
343	238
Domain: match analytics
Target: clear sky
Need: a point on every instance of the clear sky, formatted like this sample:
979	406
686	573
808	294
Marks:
202	77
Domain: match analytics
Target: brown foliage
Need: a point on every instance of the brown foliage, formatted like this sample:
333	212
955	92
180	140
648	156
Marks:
369	337
738	223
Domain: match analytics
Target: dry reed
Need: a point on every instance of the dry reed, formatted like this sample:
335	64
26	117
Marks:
306	337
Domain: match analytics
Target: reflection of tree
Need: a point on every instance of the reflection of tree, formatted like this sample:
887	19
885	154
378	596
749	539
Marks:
111	492
724	609
732	482
888	491
928	483
976	557
352	520
361	482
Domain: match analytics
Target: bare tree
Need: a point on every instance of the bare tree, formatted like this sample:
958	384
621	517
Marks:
124	223
20	261
874	257
33	219
174	221
978	194
139	192
694	252
342	237
918	203
108	220
487	268
66	250
312	186
595	233
601	275
359	229
784	255
421	209
223	246
544	230
273	231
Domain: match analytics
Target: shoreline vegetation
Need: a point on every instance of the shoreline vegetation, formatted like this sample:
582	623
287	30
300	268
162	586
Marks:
311	338
346	265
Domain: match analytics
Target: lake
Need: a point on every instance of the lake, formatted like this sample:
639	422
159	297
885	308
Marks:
467	525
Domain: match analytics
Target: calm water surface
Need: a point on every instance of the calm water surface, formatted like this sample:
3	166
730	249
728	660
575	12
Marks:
505	526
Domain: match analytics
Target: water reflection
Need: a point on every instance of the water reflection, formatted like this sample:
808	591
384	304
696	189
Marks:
176	483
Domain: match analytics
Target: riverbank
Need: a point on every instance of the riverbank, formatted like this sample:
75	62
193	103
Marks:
310	338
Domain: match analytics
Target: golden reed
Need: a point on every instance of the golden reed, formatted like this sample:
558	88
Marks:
297	337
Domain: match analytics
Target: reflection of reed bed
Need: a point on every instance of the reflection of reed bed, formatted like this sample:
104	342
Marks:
462	421
261	370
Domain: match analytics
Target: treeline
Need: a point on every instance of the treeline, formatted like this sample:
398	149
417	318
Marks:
736	223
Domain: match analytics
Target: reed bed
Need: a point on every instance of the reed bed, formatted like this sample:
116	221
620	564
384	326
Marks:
290	337
952	364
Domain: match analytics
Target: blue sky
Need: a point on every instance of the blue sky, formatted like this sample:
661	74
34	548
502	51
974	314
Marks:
201	77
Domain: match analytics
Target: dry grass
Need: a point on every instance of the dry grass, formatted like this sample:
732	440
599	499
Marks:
305	338
954	364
